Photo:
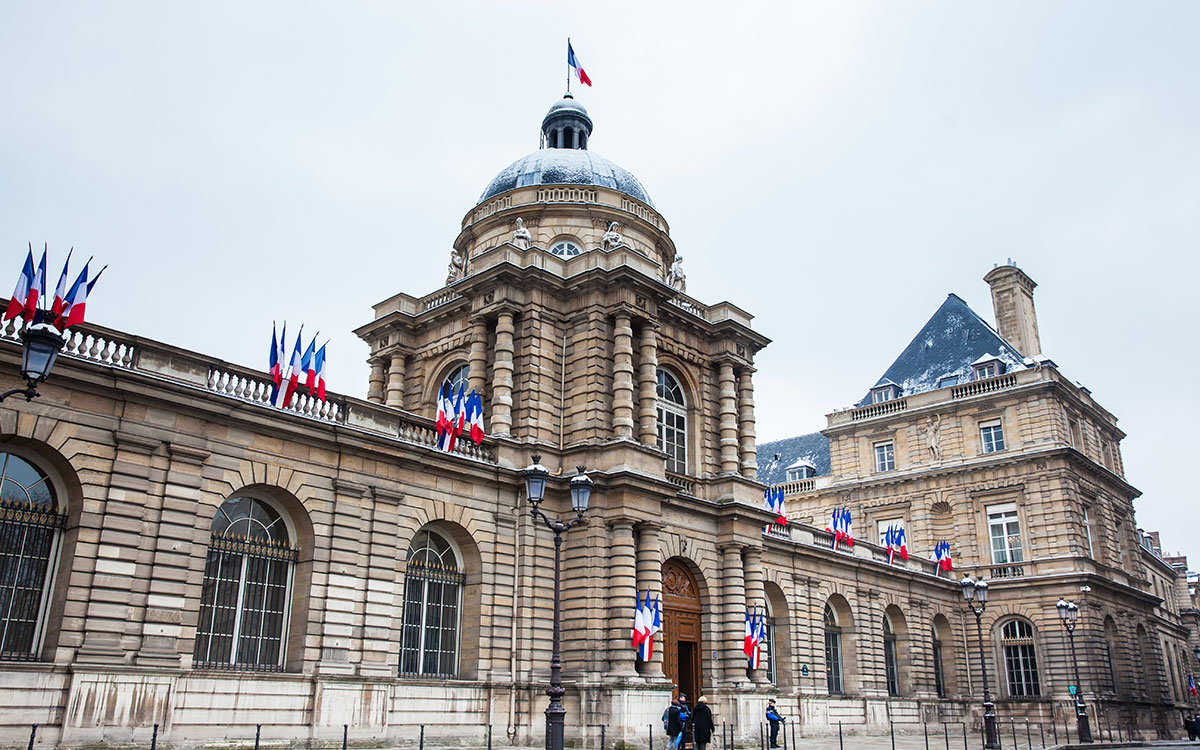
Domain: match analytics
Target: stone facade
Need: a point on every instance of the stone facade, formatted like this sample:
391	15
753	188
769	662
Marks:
575	354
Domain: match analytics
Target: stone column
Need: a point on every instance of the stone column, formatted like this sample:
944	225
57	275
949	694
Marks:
375	384
755	594
749	451
622	588
502	376
165	597
395	380
623	378
648	386
478	356
649	578
117	528
733	615
728	419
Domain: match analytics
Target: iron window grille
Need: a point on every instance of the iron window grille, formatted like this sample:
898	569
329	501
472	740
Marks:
30	535
1020	659
245	603
433	584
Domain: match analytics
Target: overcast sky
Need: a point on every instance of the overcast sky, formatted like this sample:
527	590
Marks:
834	168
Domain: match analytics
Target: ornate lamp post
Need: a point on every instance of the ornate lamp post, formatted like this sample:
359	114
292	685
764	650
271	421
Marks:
1069	612
581	493
976	595
40	346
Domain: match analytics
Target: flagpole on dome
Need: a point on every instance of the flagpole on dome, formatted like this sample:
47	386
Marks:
568	65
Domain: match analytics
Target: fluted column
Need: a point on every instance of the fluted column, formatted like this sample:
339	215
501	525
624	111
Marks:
375	384
649	579
395	380
728	419
749	451
648	386
623	378
622	588
755	593
502	376
733	615
478	356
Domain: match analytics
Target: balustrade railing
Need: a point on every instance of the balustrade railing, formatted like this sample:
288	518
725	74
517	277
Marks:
798	486
778	530
88	342
684	302
998	383
877	410
1008	571
684	484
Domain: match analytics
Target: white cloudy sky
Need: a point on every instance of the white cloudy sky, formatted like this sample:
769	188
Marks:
835	168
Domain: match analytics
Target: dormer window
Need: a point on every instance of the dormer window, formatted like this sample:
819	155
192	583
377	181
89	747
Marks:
802	469
987	366
885	392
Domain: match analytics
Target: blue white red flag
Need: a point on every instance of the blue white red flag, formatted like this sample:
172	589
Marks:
889	540
652	617
760	635
475	417
1191	685
307	365
640	628
748	635
16	304
60	295
443	406
37	290
847	531
576	66
902	542
275	371
297	365
320	366
76	302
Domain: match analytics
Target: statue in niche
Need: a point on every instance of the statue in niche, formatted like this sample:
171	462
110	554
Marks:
457	268
933	429
521	237
676	277
611	238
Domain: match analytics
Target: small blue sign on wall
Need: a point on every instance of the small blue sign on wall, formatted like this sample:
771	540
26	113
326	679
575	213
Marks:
804	670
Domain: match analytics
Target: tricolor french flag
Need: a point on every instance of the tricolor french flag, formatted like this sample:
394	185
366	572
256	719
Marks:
297	365
902	542
475	417
275	370
60	296
308	365
941	556
640	628
320	367
37	290
576	66
443	411
16	304
653	619
1191	685
75	305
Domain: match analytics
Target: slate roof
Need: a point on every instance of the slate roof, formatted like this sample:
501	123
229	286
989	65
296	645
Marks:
814	447
942	353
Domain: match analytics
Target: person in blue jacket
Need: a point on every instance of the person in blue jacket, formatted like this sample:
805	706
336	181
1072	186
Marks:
775	719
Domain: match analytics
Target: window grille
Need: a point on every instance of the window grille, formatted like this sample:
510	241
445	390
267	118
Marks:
1020	660
672	423
891	671
246	600
939	679
30	531
459	377
433	585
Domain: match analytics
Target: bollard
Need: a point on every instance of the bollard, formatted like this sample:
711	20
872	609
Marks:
32	734
925	729
761	745
1054	728
1067	729
840	745
722	746
345	735
892	732
794	745
946	733
785	745
651	745
964	728
489	747
1042	731
602	728
421	742
154	738
1012	725
1028	736
257	734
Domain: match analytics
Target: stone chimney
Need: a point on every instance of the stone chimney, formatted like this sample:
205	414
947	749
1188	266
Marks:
1012	300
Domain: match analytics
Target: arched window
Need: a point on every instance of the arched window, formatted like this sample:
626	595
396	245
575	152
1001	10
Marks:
1020	661
833	653
1110	653
433	584
459	377
672	422
246	600
939	680
889	658
30	527
767	648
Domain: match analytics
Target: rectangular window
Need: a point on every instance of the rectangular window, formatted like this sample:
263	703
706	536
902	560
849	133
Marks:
833	662
768	652
889	659
991	436
1005	532
883	527
1087	527
1076	435
938	680
881	395
885	456
985	371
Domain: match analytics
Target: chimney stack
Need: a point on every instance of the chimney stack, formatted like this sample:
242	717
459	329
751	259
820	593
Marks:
1012	301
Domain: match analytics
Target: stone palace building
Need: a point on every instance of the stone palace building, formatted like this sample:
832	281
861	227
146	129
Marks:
176	551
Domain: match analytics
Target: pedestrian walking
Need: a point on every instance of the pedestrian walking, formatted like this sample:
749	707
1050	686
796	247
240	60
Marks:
672	724
775	718
685	715
702	724
1189	726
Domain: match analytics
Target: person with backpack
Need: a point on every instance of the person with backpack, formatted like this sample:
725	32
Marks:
775	719
672	724
685	715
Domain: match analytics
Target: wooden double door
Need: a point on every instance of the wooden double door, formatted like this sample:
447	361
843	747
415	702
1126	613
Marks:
682	645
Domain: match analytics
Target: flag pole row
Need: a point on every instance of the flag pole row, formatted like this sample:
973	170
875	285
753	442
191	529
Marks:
458	413
647	621
286	372
69	304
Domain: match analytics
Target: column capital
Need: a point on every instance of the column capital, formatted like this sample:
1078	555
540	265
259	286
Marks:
650	526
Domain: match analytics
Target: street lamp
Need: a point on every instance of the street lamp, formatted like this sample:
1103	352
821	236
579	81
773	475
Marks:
40	346
581	493
1069	613
976	595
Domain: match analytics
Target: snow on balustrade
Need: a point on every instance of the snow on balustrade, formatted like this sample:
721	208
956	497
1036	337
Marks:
876	410
798	486
998	383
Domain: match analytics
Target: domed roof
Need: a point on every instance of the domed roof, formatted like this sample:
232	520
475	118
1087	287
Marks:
567	102
565	166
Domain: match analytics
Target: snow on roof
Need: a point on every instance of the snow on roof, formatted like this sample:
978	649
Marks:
812	448
989	357
945	350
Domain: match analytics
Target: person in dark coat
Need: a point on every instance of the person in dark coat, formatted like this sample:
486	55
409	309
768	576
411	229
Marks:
1189	726
775	718
674	724
702	724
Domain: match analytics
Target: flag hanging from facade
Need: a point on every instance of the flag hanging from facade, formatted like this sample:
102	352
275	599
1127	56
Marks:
321	372
640	627
297	365
773	496
16	305
748	635
1191	685
576	66
76	302
902	542
60	295
475	417
889	540
307	366
941	556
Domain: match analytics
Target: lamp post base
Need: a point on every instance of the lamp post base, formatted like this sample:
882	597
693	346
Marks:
1081	718
991	739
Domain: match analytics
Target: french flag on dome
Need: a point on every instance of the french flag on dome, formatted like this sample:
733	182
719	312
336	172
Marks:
16	304
576	66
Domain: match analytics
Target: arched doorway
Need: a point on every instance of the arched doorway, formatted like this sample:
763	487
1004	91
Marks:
682	646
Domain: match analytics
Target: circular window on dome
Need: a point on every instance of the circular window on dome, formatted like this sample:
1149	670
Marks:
565	249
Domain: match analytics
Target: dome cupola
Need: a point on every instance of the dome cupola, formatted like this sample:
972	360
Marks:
566	125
